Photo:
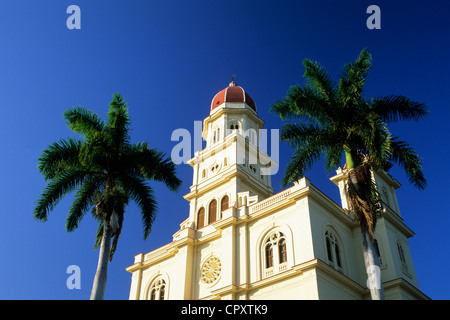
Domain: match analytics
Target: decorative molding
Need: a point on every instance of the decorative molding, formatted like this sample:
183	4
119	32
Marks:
211	270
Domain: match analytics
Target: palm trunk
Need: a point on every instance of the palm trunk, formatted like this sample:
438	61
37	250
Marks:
372	264
370	255
99	285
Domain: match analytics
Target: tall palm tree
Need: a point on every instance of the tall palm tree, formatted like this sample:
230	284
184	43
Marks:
106	171
334	119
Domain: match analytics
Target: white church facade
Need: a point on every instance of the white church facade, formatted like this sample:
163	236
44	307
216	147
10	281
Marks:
241	241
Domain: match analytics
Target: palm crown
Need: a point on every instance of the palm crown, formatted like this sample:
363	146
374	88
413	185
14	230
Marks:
104	169
338	119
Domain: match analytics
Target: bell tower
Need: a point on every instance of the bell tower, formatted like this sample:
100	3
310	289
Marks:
231	171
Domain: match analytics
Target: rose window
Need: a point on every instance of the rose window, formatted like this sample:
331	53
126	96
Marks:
211	270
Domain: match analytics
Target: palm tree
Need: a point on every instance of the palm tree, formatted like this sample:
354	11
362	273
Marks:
106	171
334	120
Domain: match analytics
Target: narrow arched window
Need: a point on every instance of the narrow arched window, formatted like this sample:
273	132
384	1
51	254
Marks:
337	255
333	250
234	126
153	294
201	218
224	203
401	254
329	252
282	250
213	211
386	197
377	249
162	291
269	255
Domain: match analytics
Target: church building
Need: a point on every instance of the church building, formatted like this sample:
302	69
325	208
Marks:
240	241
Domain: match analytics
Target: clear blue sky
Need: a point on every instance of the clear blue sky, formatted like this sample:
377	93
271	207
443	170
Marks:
168	59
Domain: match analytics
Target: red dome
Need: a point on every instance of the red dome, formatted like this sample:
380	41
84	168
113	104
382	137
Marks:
232	93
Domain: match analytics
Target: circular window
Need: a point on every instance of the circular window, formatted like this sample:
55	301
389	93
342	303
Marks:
211	270
215	167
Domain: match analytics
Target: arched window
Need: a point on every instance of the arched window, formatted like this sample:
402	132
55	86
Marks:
386	197
377	249
158	289
275	254
224	204
213	211
401	254
337	255
201	218
333	250
234	126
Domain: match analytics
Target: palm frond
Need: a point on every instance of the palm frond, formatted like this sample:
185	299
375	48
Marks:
333	157
373	138
409	160
394	108
99	234
82	121
299	133
118	121
302	160
353	78
151	164
84	198
56	188
96	150
304	103
142	194
319	78
59	156
310	143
